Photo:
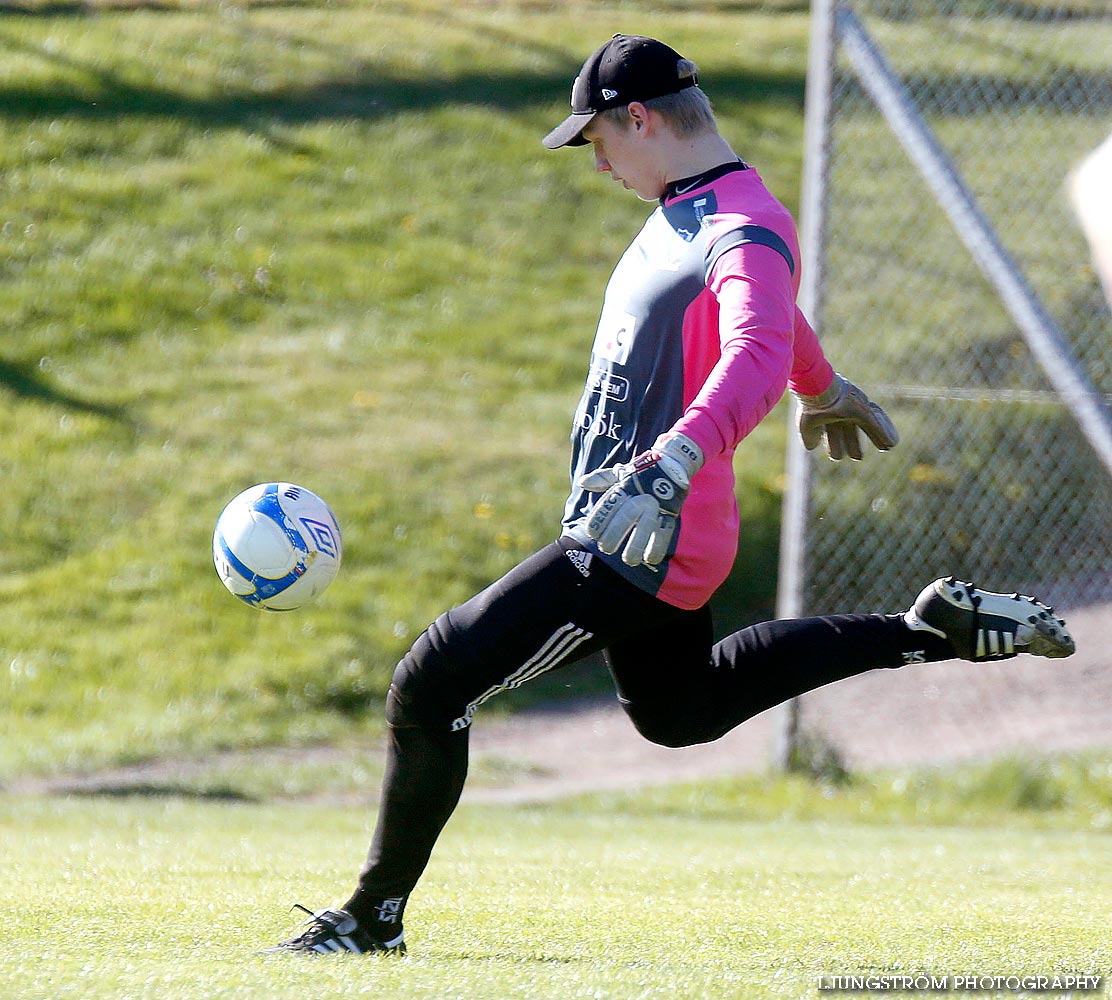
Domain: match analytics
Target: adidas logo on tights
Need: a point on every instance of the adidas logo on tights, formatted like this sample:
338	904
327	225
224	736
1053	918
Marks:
580	560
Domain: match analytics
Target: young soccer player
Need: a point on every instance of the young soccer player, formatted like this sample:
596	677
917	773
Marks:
698	338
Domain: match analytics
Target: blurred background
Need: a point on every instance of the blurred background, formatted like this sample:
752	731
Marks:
951	277
320	242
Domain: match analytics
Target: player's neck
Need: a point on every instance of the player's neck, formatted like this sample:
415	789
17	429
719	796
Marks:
692	157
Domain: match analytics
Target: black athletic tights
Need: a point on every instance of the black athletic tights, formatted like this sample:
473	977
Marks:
676	685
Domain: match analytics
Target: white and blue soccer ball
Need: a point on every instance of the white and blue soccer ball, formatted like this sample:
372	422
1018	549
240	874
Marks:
277	546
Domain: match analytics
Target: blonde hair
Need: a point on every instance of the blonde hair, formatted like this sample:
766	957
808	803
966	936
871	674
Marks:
687	112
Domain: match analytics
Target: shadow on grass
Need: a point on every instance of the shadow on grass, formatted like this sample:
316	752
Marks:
1015	10
221	793
365	91
1057	90
26	382
89	8
898	10
374	99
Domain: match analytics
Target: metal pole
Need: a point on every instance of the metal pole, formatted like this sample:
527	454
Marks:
812	215
1043	335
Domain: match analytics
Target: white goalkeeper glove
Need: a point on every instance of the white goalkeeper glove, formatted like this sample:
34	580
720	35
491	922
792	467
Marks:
837	414
642	499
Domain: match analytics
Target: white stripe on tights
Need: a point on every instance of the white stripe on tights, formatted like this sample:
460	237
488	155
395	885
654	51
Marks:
555	649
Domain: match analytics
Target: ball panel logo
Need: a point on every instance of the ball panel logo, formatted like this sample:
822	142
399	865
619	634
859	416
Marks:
322	534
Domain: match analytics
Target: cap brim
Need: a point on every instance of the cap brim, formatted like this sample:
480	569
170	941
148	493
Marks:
569	132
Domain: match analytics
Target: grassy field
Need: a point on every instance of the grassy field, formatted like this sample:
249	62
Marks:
169	898
320	241
317	242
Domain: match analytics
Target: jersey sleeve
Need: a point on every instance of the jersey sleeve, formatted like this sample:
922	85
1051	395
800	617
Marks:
811	373
757	318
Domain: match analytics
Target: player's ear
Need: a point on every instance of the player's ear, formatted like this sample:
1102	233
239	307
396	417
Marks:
638	117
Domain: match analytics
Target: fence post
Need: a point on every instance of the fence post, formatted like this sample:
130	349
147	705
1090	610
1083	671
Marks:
1044	337
812	216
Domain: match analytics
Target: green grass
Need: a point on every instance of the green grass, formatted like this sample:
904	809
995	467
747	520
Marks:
167	898
1066	793
1062	793
320	241
317	242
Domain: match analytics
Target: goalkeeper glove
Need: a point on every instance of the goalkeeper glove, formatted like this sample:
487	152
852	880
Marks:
837	414
642	499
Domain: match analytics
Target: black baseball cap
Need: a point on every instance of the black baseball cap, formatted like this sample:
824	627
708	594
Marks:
627	68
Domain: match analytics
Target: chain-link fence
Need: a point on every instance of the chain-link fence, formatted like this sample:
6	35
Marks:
993	479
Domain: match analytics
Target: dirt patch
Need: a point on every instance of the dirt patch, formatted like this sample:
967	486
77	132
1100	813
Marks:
927	714
921	715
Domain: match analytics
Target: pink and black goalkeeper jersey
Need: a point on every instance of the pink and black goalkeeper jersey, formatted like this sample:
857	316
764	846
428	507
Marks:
699	333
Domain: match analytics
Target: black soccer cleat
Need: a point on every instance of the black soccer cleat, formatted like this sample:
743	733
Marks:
982	626
330	931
